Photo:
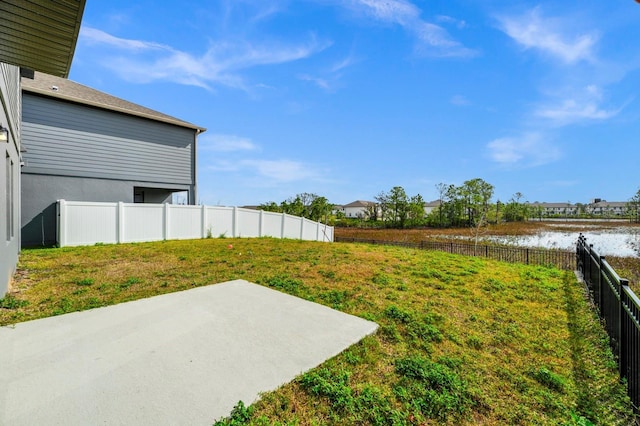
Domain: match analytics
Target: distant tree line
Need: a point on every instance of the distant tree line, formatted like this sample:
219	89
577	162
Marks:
310	206
467	205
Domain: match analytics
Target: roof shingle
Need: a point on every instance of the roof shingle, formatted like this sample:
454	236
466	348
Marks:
61	88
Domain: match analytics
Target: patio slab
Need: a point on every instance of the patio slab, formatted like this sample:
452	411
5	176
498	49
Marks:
179	358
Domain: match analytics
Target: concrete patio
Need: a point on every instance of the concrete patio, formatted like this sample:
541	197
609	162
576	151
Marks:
179	358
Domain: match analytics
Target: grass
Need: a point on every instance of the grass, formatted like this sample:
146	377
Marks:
626	267
461	340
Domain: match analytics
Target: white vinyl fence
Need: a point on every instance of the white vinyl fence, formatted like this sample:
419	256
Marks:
87	223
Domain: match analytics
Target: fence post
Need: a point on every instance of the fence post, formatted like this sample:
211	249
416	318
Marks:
62	223
284	216
203	211
260	223
120	222
622	344
301	228
166	221
318	231
527	254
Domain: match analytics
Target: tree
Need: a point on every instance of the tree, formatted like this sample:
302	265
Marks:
319	208
476	193
415	210
453	206
394	206
633	207
515	211
372	211
442	190
270	206
310	206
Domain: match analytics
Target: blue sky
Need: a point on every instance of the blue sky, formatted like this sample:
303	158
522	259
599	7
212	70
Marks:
349	98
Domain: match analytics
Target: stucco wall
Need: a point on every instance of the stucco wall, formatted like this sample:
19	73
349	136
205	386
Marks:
41	192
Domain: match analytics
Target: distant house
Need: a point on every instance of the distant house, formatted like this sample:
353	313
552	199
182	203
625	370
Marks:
607	208
431	206
358	209
34	35
554	209
85	145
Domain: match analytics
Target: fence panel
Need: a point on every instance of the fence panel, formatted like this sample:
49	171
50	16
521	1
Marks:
326	233
558	258
291	227
619	308
630	351
272	224
309	230
248	223
143	222
185	222
86	223
219	221
89	223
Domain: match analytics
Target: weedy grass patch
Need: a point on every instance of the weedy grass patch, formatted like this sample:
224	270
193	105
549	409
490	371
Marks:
461	340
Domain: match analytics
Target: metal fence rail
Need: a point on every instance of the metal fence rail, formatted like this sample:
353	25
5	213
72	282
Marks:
619	308
531	256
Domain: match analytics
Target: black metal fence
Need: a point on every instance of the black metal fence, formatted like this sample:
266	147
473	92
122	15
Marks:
562	259
619	308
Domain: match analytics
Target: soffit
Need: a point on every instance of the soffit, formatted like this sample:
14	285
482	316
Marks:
40	34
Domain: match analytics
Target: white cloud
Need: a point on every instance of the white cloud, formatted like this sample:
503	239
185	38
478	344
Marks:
328	80
551	36
281	170
225	143
450	20
265	173
570	111
529	150
434	39
580	106
143	61
318	81
459	100
393	11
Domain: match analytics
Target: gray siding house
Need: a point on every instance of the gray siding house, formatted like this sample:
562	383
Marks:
85	145
34	35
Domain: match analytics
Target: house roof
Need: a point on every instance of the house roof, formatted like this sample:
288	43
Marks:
434	203
608	204
359	203
553	205
68	90
40	34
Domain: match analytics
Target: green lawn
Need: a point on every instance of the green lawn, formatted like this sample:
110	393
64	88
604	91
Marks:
461	340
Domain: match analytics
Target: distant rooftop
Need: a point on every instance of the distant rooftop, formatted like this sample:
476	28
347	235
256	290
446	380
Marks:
62	88
360	203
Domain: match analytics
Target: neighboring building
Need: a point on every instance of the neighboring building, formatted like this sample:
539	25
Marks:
605	208
358	209
85	145
41	36
554	209
431	206
597	207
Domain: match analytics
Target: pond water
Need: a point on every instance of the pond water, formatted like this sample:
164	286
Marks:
619	241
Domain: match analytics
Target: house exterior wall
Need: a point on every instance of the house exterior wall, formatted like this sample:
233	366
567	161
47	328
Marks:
355	212
81	153
9	174
40	194
68	139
